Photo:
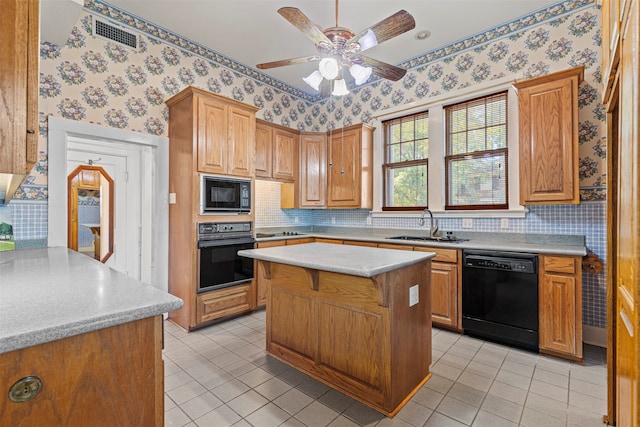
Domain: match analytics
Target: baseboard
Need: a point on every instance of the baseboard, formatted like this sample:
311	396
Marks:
594	336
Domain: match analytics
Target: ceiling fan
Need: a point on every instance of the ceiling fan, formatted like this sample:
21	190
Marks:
339	48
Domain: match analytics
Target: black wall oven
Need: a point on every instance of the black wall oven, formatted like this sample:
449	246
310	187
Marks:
500	297
219	265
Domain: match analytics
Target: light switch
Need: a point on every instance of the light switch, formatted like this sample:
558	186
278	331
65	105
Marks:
414	295
172	198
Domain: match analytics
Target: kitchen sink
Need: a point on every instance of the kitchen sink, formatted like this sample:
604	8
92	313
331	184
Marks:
443	239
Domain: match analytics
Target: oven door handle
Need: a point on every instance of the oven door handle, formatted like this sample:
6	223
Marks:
224	242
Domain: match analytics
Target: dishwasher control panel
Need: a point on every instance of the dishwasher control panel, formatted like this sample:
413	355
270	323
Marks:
501	262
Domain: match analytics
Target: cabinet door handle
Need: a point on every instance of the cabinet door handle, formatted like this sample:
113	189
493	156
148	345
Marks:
31	131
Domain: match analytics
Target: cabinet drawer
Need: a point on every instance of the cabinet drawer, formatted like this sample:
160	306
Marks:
334	241
442	254
299	241
392	246
271	243
360	243
558	264
224	302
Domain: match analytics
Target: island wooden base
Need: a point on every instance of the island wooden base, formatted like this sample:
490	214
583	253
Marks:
358	335
109	377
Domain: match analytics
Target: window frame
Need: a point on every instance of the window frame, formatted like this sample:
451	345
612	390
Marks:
448	158
436	185
386	166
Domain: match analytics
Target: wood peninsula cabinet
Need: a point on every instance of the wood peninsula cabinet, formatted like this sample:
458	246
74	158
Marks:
19	53
350	167
548	120
276	152
560	306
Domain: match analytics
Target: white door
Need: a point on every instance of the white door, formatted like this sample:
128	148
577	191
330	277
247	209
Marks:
151	170
122	163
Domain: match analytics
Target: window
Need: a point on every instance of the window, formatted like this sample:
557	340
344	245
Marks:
476	153
405	168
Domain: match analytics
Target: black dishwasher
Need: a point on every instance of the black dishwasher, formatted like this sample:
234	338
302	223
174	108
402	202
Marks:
500	297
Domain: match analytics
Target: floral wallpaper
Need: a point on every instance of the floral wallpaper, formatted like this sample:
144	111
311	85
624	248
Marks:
92	79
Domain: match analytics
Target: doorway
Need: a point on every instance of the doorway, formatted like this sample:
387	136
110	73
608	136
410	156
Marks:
138	159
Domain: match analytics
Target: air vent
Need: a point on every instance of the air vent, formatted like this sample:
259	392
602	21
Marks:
115	34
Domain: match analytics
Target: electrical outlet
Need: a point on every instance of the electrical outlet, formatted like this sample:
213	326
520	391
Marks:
467	223
333	220
295	219
369	220
414	295
504	223
172	198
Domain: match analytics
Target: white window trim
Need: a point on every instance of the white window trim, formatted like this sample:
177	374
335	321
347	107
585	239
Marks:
436	178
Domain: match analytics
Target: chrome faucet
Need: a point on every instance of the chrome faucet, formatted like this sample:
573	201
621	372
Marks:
433	223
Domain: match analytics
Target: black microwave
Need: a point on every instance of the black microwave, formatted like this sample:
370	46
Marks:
224	194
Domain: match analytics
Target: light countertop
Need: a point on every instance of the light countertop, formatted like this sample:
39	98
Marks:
48	294
353	260
538	244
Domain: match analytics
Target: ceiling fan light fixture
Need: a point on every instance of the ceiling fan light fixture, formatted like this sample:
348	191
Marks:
367	41
339	88
359	73
329	68
314	79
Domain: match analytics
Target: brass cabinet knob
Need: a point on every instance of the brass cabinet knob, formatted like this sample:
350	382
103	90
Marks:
25	389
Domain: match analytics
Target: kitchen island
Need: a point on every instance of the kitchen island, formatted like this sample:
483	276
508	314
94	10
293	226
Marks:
74	335
356	318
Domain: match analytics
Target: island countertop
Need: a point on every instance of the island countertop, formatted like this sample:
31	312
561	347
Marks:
53	293
353	260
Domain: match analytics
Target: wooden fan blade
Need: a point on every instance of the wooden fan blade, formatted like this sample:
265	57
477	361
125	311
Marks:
398	23
292	61
381	69
304	24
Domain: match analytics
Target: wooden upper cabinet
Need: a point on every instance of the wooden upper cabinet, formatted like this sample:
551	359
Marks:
224	132
19	52
350	168
276	152
264	144
212	136
242	131
548	119
285	155
313	170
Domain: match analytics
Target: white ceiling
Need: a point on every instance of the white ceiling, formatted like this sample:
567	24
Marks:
252	32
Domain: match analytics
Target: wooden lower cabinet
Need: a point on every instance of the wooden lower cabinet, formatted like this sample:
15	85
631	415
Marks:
224	302
560	306
446	287
337	329
109	377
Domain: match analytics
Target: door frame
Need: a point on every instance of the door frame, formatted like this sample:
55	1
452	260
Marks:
155	242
